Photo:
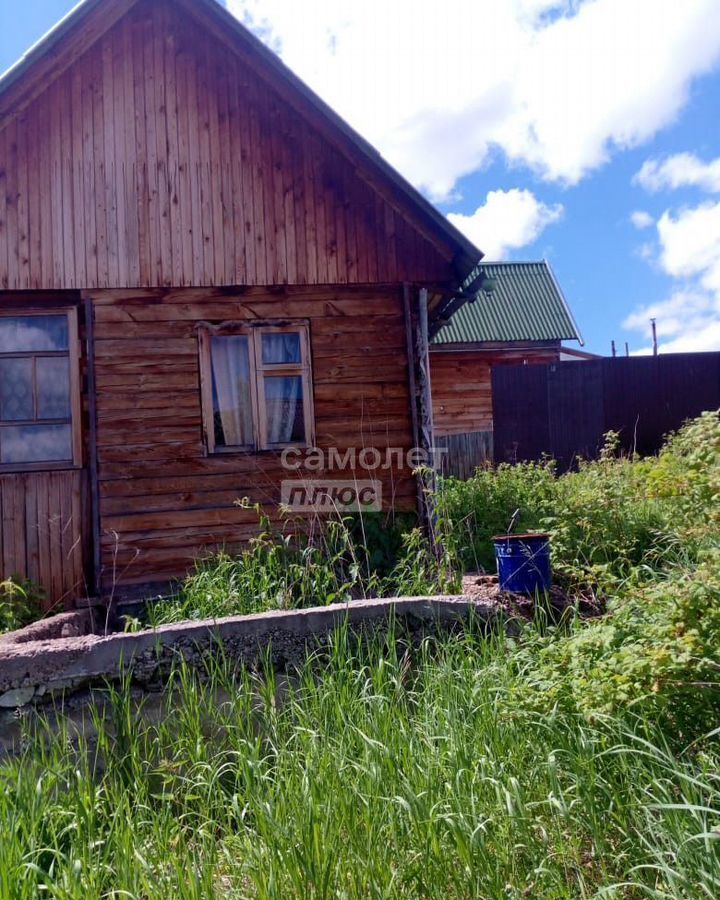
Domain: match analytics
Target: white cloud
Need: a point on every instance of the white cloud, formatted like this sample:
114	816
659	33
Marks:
506	221
438	85
641	219
686	315
680	170
689	320
690	244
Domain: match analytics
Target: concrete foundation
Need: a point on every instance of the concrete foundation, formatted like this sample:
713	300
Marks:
62	656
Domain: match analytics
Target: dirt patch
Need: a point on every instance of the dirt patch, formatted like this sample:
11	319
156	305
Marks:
485	590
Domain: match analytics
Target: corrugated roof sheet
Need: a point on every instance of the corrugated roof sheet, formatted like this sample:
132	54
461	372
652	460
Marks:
526	305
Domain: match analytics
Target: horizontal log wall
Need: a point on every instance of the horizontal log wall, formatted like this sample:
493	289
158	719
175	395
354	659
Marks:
461	385
163	501
161	157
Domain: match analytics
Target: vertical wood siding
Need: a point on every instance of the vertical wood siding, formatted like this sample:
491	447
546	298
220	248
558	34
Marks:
43	535
163	500
161	158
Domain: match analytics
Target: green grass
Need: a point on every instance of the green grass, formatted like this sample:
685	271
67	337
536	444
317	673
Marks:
376	773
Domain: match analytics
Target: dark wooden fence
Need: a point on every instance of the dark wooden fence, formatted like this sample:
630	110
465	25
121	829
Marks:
564	409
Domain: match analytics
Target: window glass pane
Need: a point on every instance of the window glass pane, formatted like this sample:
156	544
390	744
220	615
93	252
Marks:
232	407
281	348
53	387
25	334
35	443
16	400
284	409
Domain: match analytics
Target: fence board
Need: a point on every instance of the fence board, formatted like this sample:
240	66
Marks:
520	411
564	409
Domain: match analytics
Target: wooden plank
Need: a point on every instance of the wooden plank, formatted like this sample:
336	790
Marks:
192	124
283	241
76	220
181	249
44	190
216	201
155	271
57	206
9	185
232	269
121	161
245	222
100	174
78	575
8	541
31	529
141	177
108	189
22	206
69	199
204	164
43	527
264	237
129	188
5	237
162	179
86	161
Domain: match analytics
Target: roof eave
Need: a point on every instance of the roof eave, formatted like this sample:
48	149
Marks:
578	334
46	43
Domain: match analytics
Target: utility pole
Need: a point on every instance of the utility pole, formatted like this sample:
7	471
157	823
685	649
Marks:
654	335
612	347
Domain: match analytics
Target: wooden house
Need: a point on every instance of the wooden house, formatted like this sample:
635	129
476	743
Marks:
201	266
520	319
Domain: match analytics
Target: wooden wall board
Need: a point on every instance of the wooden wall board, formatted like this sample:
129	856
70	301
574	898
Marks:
163	500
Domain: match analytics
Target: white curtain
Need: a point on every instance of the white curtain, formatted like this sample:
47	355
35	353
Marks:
231	389
280	348
283	404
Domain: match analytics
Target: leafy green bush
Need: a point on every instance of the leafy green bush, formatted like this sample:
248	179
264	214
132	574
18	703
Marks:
614	523
656	652
19	604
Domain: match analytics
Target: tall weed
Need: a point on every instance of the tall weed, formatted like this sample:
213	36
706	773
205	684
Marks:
374	771
335	560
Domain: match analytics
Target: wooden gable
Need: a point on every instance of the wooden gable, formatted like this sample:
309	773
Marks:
166	153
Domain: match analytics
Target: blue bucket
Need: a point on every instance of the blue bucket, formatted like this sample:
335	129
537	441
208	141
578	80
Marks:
523	562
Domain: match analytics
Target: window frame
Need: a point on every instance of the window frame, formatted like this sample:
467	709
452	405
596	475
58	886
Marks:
254	330
73	356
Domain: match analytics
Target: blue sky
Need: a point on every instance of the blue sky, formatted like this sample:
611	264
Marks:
583	131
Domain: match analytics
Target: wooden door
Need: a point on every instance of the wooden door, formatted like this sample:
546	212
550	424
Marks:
43	484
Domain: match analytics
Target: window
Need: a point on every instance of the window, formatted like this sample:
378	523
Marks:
256	386
39	400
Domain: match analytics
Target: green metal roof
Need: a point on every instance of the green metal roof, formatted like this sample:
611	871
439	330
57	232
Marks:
526	305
